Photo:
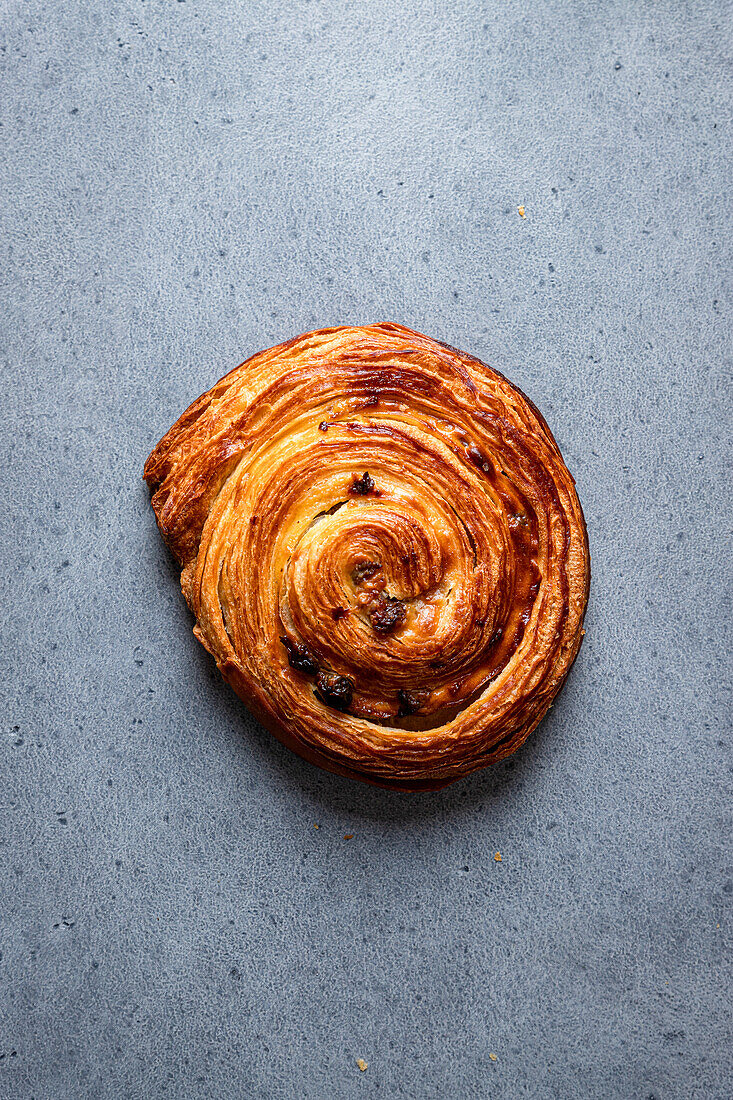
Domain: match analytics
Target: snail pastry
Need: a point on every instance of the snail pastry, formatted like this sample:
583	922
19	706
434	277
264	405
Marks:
383	549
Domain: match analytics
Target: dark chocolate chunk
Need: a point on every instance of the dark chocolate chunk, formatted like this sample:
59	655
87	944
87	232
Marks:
323	426
364	570
362	485
300	657
339	613
387	614
334	690
409	703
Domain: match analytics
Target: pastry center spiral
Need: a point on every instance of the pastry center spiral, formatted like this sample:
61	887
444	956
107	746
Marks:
411	567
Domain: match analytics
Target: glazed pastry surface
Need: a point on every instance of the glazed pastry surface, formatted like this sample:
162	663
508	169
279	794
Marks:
383	549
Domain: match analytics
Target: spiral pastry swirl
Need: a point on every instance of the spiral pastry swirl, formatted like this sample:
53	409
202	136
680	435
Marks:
383	549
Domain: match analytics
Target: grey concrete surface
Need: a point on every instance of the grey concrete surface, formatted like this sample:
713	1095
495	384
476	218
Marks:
184	183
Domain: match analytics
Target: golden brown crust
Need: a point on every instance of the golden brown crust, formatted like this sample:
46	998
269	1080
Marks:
383	549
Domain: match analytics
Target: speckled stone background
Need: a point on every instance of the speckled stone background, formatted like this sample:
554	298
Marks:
184	183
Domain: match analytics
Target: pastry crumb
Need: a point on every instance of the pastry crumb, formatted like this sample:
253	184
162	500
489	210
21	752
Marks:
316	826
361	1064
521	211
492	1057
497	857
348	836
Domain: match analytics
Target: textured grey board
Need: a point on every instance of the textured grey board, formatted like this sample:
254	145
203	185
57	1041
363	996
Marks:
183	184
